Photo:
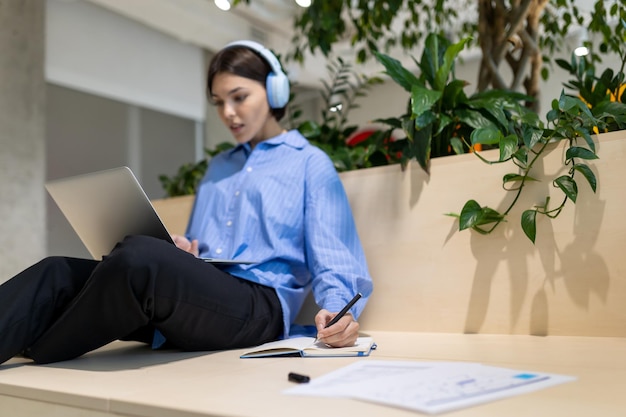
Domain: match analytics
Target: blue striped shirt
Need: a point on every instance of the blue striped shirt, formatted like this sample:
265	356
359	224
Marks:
282	205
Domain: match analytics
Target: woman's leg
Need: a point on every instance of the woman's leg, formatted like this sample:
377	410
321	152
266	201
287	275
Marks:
32	300
147	281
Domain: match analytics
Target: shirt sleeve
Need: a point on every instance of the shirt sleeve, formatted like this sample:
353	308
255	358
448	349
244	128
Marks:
335	256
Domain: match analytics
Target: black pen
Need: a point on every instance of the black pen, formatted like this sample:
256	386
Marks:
343	311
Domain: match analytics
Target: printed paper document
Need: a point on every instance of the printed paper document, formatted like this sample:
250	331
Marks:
428	387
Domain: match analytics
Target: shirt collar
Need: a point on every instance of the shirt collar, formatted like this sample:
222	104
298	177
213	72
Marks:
290	138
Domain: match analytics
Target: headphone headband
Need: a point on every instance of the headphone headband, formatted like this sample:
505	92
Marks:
261	50
277	83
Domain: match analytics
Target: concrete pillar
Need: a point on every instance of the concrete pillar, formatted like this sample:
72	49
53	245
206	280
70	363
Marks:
22	135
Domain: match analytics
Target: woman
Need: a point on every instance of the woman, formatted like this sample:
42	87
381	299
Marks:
274	199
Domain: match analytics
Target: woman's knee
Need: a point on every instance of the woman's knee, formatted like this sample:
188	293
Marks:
59	267
135	262
136	251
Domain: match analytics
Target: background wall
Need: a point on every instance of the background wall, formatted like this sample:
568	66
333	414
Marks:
22	140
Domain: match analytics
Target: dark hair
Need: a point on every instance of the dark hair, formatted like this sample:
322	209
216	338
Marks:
243	62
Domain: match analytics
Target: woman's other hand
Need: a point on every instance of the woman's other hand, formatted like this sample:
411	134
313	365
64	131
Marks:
341	334
183	243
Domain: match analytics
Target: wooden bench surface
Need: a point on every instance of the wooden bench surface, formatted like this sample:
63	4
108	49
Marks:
125	379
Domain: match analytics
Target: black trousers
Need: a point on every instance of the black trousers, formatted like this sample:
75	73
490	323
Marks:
61	308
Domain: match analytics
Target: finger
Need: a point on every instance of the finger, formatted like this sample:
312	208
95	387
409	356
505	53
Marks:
321	318
180	242
194	248
337	331
347	337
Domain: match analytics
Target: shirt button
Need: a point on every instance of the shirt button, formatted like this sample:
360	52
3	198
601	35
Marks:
237	193
249	169
218	250
229	223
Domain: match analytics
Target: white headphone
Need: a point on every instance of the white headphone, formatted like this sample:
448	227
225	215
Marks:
277	83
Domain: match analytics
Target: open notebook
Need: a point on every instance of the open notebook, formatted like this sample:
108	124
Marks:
307	347
103	207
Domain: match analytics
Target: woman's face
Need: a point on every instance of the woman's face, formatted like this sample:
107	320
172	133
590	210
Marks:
242	105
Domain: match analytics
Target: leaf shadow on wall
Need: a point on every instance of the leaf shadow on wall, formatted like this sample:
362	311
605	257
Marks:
582	270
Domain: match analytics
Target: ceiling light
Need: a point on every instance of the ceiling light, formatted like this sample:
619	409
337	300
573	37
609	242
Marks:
336	108
303	3
581	51
223	4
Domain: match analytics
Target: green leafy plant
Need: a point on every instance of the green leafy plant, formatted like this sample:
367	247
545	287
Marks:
442	120
440	116
188	176
602	94
339	96
570	119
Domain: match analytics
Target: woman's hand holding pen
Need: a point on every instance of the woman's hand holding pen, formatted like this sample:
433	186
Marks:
341	334
183	243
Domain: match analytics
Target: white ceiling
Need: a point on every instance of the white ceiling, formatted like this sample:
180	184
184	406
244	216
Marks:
202	23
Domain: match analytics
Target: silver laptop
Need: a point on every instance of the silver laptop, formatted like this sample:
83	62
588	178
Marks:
105	206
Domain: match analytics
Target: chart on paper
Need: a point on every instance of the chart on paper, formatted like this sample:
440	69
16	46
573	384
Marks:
428	387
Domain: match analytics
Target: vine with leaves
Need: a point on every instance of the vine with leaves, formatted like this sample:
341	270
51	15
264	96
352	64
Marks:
440	114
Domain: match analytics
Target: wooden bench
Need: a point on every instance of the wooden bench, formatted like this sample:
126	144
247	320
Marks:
429	277
439	294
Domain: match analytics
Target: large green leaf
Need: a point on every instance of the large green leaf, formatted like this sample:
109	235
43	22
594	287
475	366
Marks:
516	177
567	103
584	133
612	110
473	118
457	146
508	146
529	224
488	135
423	99
426	118
454	95
588	174
434	50
508	95
573	105
578	152
568	186
470	215
444	122
443	72
493	107
405	78
421	145
531	136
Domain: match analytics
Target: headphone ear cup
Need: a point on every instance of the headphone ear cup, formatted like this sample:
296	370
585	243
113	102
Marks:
277	86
